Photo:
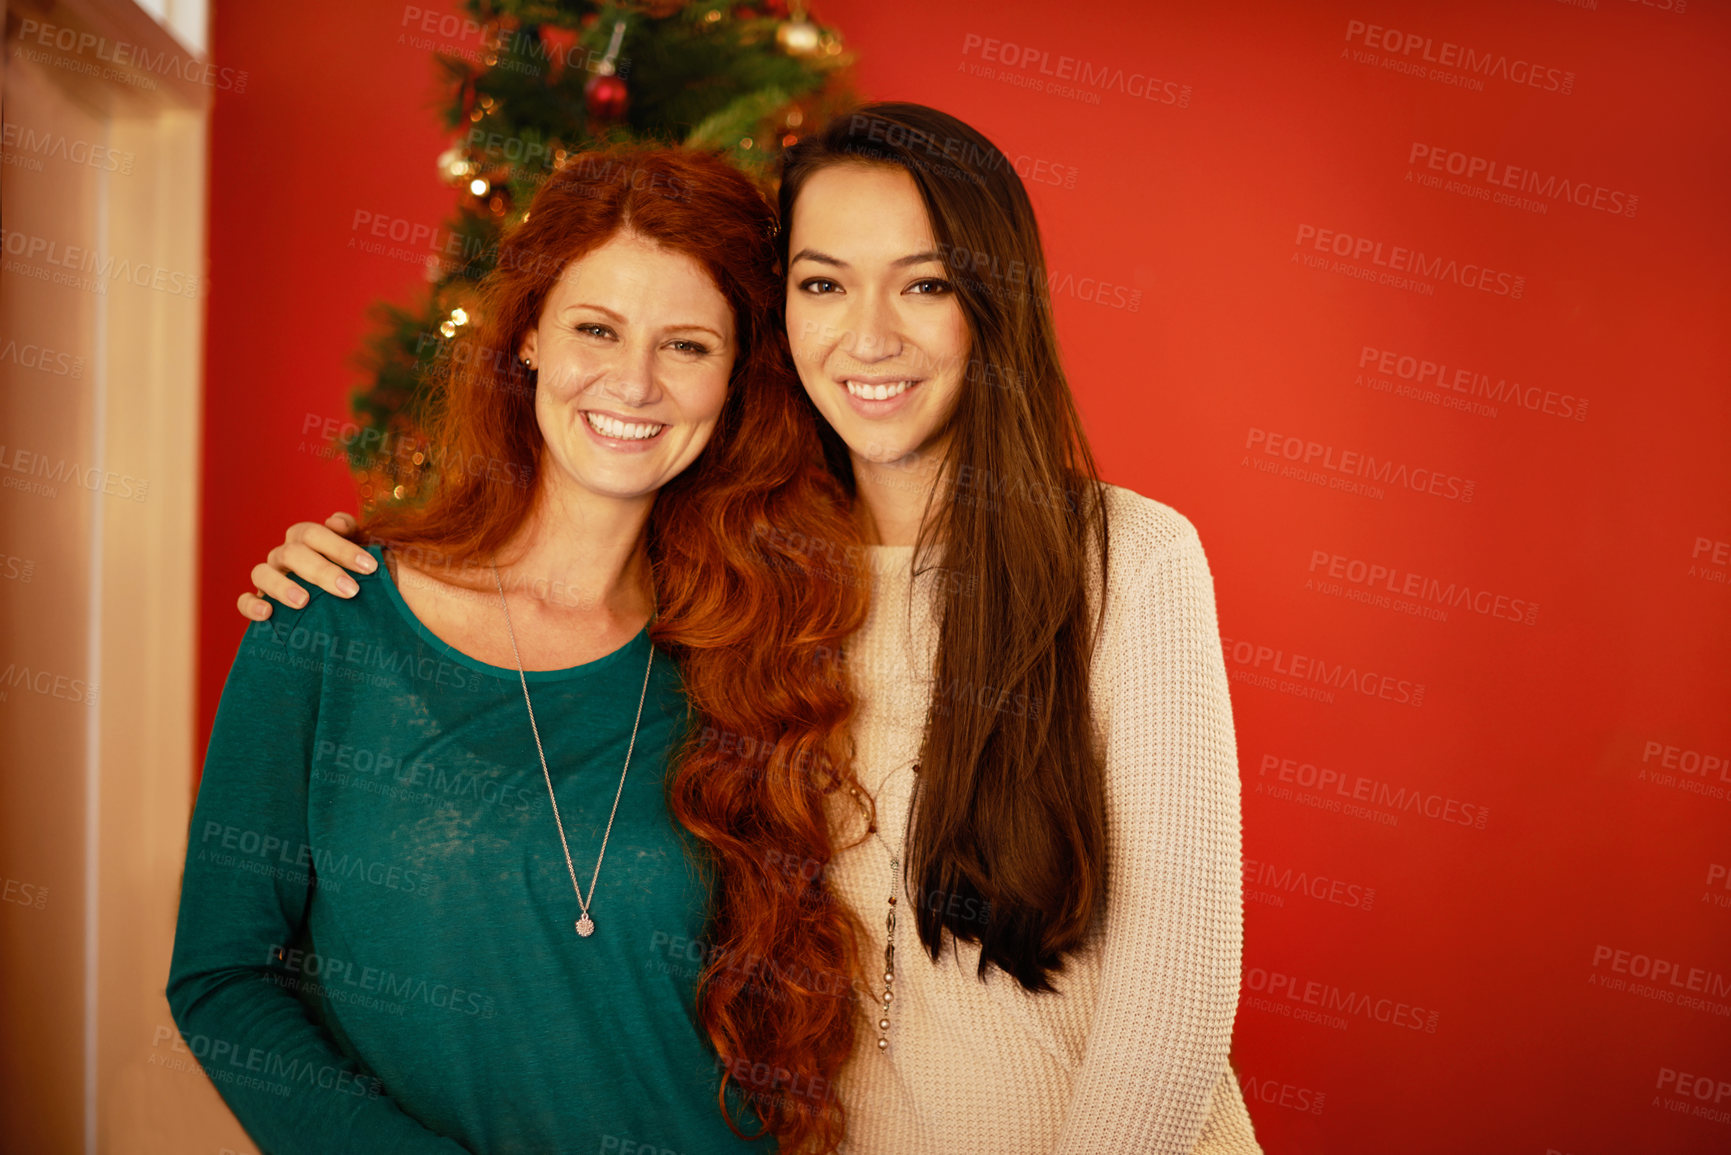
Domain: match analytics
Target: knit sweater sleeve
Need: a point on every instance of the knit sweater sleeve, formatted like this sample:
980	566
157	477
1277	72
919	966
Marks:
249	879
1228	1130
1154	1076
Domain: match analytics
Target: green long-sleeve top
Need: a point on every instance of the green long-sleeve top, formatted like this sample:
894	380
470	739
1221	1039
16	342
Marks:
376	949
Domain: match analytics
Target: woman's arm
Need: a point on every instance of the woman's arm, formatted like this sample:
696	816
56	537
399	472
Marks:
1154	1074
244	895
314	552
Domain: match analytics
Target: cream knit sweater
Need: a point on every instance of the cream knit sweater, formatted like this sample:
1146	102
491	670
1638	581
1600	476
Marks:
1131	1054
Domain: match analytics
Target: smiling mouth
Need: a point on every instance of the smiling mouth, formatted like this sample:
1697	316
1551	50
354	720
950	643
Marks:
878	392
621	430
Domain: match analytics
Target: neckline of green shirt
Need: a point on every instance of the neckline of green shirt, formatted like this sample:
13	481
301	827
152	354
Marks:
634	651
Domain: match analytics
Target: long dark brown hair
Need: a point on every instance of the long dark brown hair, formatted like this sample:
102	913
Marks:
738	606
1007	839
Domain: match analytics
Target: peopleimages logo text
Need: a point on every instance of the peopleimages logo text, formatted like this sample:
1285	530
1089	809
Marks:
1441	807
1448	54
1085	73
1452	379
1497	174
1358	463
1403	259
125	54
1331	999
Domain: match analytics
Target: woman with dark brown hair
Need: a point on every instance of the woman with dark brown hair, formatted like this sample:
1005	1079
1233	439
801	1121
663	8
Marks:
1048	826
434	899
1042	837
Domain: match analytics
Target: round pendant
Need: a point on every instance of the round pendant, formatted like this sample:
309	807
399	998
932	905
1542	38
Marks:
585	927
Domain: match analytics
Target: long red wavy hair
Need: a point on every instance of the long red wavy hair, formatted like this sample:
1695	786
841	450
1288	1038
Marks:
744	603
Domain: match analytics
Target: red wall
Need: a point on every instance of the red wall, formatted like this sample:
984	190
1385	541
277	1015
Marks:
1534	781
337	118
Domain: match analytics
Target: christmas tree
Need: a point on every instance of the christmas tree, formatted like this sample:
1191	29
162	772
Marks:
551	79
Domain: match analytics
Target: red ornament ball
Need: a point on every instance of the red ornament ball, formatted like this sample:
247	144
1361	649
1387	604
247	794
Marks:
608	98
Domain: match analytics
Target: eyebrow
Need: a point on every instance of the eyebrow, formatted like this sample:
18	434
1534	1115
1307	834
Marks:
620	319
825	259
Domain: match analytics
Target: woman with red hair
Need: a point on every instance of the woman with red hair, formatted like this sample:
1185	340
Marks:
434	897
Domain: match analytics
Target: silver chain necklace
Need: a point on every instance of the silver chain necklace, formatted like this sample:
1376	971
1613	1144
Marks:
585	925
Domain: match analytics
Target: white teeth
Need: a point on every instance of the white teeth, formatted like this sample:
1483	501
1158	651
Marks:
877	392
624	431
